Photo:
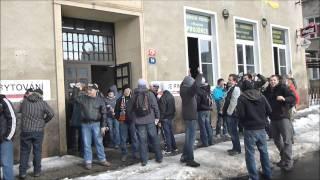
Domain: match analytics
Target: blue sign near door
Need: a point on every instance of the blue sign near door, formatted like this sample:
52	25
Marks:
152	60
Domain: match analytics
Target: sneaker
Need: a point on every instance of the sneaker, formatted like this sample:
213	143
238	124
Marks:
233	153
22	176
230	150
88	166
280	164
37	174
105	163
143	164
202	145
192	164
124	158
176	150
167	153
159	161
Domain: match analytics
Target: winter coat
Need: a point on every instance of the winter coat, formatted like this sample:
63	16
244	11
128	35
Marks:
204	100
35	113
218	93
93	109
280	109
230	102
253	109
167	106
121	109
7	119
110	103
188	92
153	105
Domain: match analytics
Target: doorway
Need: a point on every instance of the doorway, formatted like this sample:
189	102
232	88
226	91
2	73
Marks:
279	57
193	54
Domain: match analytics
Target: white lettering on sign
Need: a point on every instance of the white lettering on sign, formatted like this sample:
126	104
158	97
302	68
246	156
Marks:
15	89
172	86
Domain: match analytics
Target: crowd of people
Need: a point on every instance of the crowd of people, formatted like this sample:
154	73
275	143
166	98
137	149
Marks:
250	102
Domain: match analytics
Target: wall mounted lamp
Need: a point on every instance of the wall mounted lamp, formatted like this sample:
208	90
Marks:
225	13
264	22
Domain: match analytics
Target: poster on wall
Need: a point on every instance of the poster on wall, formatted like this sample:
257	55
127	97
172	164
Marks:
172	86
15	89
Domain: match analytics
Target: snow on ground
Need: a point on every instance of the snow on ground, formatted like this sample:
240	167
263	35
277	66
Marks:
214	160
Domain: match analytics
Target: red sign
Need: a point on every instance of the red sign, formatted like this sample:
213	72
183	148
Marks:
152	52
310	29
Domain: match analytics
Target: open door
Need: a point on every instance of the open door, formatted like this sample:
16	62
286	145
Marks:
123	75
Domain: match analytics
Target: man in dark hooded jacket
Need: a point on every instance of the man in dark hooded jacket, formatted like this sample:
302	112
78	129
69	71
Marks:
36	113
252	110
188	92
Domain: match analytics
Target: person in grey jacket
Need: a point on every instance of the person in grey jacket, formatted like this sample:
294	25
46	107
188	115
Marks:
188	92
93	125
145	123
35	114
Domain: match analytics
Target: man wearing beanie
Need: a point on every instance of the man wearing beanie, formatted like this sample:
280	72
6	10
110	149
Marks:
36	113
188	92
253	109
145	113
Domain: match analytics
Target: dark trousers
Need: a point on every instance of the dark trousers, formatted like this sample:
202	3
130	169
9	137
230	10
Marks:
30	140
169	136
233	131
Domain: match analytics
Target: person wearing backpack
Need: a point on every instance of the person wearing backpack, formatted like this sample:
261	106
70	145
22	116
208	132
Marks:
281	99
145	113
188	93
204	108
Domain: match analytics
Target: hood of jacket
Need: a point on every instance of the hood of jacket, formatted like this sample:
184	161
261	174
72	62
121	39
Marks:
252	94
34	97
187	81
114	89
141	89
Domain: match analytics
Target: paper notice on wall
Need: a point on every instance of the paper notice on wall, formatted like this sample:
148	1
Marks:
15	89
172	86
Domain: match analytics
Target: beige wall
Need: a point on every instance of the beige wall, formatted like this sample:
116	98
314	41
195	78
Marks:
28	52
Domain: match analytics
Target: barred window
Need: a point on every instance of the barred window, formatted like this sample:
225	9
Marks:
87	40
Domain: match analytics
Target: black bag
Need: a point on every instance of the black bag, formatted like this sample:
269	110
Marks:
141	105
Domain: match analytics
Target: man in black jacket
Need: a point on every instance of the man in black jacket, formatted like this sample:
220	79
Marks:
167	111
204	107
7	130
253	109
188	92
280	99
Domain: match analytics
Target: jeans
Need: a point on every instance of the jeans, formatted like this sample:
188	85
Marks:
145	131
282	135
6	159
168	133
124	129
204	121
221	121
92	131
30	140
114	131
190	137
233	131
257	138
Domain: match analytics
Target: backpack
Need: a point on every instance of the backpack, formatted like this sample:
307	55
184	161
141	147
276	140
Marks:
141	105
208	100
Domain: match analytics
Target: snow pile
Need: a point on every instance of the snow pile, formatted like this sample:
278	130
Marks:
214	160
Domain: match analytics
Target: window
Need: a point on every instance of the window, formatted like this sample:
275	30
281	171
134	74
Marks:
202	48
280	51
315	20
314	73
246	47
87	40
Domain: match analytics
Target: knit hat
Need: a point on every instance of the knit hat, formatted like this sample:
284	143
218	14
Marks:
142	83
188	81
247	85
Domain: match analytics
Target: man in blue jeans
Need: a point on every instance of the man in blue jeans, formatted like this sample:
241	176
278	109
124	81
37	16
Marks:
7	130
188	92
93	125
144	111
229	107
35	114
167	113
218	95
204	106
253	109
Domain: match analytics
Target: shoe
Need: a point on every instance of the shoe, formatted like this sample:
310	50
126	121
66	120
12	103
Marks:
176	150
182	160
23	176
88	166
159	161
143	164
192	164
230	150
167	153
105	163
124	158
116	147
287	168
233	153
38	174
202	145
281	164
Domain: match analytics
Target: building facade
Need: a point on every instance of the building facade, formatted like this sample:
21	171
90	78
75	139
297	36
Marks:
53	44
